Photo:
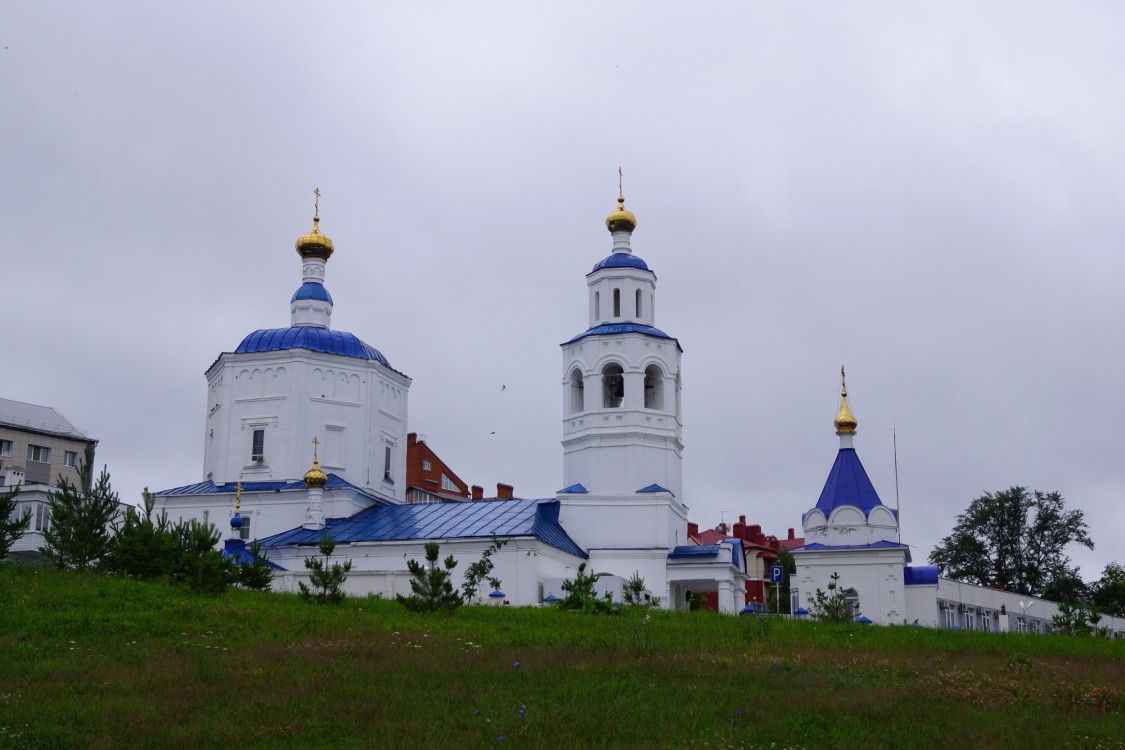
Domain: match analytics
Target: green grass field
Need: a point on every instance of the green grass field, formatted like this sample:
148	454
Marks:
91	661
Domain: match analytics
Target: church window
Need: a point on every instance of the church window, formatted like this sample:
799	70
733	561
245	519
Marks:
387	462
577	392
654	388
597	305
244	532
70	458
258	446
448	484
5	447
638	304
617	303
613	386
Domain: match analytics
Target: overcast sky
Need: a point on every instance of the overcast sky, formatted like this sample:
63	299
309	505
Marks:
930	193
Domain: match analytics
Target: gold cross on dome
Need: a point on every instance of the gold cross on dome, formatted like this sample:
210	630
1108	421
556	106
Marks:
620	179
316	203
316	445
237	496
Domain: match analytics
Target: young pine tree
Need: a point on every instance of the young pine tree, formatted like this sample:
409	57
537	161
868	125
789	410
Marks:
432	586
143	547
199	566
327	582
79	534
832	606
257	574
11	528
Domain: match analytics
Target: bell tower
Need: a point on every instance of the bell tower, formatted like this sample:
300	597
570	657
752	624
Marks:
622	430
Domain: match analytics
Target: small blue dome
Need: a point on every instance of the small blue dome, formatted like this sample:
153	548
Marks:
312	338
621	260
236	521
312	290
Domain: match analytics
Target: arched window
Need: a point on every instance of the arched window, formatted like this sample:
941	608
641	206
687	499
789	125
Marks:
617	303
577	392
654	388
597	305
613	386
638	304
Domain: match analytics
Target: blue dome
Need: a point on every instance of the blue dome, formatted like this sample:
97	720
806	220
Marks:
312	290
236	521
621	260
312	338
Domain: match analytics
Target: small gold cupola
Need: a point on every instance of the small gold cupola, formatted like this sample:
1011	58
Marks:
620	220
845	422
314	244
314	477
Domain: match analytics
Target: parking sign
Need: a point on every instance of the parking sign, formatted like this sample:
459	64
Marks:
777	574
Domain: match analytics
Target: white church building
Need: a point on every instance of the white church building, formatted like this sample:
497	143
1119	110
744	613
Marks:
621	511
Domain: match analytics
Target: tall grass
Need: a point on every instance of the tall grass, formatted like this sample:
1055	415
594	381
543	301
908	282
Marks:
91	661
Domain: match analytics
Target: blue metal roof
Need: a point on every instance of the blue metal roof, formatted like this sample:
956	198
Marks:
606	329
817	546
621	260
655	488
312	290
920	575
694	550
847	485
476	520
574	489
210	488
312	338
235	551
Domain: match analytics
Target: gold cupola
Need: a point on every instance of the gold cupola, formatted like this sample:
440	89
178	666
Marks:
620	220
314	244
314	477
845	422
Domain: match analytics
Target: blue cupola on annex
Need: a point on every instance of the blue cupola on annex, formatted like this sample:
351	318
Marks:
849	511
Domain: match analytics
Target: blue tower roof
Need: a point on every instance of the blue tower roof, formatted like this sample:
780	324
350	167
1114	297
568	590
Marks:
312	290
847	485
312	338
614	328
621	260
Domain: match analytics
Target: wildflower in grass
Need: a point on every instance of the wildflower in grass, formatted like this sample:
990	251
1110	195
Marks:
517	665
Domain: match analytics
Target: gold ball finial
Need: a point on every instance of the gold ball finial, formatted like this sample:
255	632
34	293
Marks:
314	244
620	220
845	422
314	477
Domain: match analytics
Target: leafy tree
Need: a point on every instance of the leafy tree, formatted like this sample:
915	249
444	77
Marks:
327	582
256	574
143	547
432	586
79	534
581	596
199	566
833	605
1067	587
481	571
11	528
1108	592
1014	540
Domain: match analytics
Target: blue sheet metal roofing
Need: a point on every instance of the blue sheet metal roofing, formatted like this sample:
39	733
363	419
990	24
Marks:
312	290
235	551
847	485
654	488
433	521
817	546
620	260
609	329
312	338
685	551
210	488
712	552
574	489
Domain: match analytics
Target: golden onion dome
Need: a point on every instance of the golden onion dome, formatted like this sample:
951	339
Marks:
845	422
314	244
621	220
314	477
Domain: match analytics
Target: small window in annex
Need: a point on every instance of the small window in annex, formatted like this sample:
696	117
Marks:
70	458
387	462
244	532
5	447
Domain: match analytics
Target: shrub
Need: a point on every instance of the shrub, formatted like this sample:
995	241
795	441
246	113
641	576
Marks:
432	586
327	582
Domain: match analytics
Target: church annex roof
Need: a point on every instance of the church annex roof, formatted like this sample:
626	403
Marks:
620	260
610	329
434	521
210	488
818	547
847	484
312	338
